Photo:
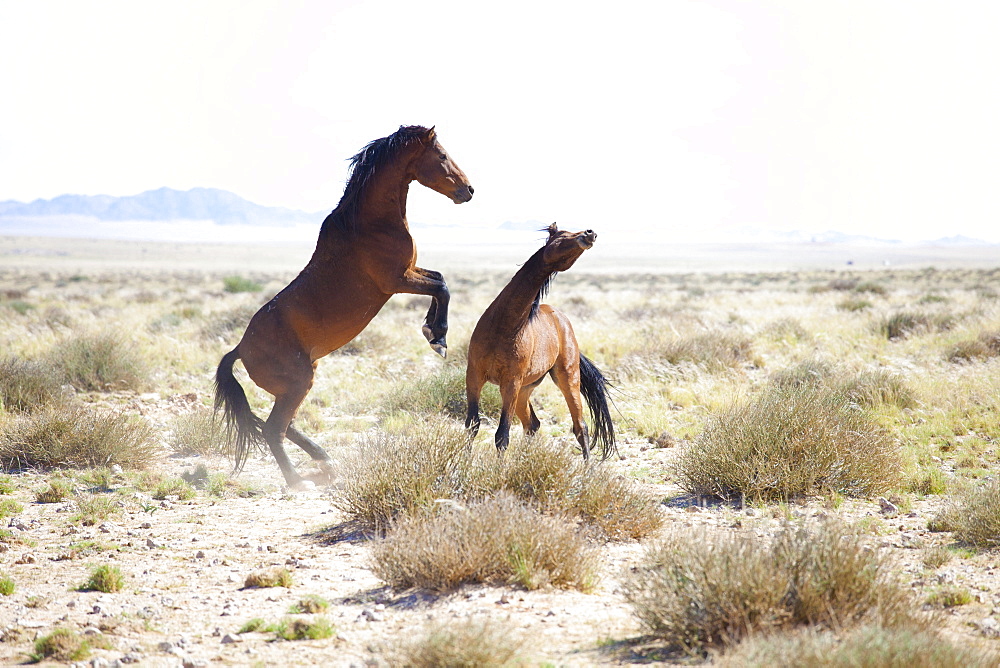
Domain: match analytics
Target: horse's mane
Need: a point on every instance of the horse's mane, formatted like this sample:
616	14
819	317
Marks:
542	291
375	155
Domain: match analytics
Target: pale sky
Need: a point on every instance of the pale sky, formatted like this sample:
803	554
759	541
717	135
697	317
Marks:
674	119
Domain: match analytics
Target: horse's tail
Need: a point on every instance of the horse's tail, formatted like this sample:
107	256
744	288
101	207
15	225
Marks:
594	387
242	428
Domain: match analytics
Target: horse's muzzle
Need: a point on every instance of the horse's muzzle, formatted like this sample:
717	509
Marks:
463	194
587	239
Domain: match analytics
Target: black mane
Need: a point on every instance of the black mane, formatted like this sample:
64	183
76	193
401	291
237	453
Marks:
368	160
542	291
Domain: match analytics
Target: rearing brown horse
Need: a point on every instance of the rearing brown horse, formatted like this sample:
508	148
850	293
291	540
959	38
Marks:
364	255
518	340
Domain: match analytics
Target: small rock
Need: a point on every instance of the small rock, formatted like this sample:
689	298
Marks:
107	527
887	507
503	599
145	525
27	558
989	627
373	615
200	554
150	543
231	638
191	662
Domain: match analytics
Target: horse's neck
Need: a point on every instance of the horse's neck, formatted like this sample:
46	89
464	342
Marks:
515	301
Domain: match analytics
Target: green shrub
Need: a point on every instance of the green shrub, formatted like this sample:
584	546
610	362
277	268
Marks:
10	508
310	605
317	628
58	491
790	442
701	588
76	436
61	645
498	541
100	362
7	585
173	487
237	284
105	578
853	304
26	385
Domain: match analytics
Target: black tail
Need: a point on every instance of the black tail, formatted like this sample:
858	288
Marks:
243	428
594	387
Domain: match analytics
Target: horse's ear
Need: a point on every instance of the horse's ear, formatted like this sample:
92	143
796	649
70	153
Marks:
431	134
552	230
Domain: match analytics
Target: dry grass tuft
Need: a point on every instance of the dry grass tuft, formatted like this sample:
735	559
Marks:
73	435
460	643
703	588
441	392
712	351
25	385
983	346
787	443
197	433
271	577
865	647
973	514
902	324
499	540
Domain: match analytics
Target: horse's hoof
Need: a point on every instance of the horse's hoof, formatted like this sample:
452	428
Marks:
441	349
302	485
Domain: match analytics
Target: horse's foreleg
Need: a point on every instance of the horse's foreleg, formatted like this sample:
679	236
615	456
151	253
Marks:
419	281
525	412
569	385
508	395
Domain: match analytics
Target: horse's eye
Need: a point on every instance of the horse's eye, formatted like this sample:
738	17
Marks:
443	156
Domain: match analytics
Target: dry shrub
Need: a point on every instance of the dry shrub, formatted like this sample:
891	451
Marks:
701	588
197	433
100	361
226	324
902	324
271	577
25	385
973	514
469	642
441	392
864	647
388	475
76	436
789	330
790	442
499	540
983	346
392	475
712	351
867	388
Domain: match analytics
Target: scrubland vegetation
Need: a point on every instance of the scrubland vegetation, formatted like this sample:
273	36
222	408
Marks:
777	431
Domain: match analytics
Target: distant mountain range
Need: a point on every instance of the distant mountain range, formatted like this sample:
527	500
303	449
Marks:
164	210
165	204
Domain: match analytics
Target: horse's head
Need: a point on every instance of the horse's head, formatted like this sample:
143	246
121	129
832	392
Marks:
435	169
563	248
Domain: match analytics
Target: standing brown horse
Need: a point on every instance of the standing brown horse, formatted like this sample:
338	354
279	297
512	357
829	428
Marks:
518	340
364	255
